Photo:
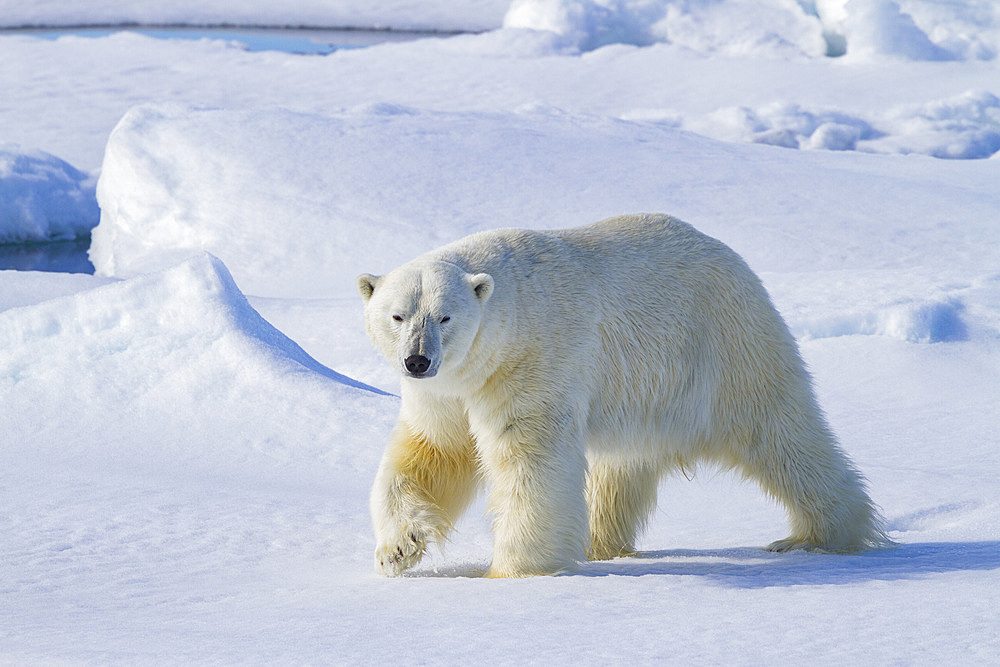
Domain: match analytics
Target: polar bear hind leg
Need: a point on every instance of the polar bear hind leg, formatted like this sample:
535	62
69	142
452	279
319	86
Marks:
829	510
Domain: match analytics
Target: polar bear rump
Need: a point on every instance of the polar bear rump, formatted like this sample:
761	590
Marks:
566	372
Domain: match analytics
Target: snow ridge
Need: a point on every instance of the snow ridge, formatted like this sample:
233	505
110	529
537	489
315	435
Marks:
138	352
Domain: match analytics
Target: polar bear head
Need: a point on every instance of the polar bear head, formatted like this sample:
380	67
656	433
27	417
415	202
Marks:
424	316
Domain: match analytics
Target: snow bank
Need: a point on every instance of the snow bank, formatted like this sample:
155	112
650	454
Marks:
367	189
169	461
914	29
863	29
363	190
385	14
161	363
731	27
870	304
966	126
42	198
503	70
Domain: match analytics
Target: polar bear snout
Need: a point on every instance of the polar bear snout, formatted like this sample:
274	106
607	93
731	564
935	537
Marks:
417	365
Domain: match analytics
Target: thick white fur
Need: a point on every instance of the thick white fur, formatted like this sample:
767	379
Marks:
571	370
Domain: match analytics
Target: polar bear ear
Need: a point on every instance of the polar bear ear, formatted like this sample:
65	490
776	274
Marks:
366	285
482	285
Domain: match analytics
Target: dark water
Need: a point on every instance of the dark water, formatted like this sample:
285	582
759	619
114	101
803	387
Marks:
56	256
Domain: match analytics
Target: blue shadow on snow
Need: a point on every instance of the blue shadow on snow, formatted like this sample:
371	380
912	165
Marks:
750	567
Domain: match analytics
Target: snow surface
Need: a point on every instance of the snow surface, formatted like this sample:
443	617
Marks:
912	29
184	475
357	194
43	198
871	102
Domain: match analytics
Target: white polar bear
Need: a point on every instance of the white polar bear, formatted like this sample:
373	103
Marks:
569	370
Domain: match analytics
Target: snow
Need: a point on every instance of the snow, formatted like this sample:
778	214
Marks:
186	327
189	437
357	195
732	27
504	70
966	126
909	29
43	198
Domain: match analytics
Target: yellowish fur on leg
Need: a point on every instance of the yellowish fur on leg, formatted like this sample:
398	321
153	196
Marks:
444	475
420	491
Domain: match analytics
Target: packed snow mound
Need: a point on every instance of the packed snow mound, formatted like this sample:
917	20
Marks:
913	29
966	126
368	189
916	321
382	15
730	27
862	29
164	365
43	198
910	307
362	191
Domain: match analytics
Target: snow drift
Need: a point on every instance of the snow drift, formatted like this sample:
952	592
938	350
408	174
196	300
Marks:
732	27
358	195
165	365
43	198
966	126
908	29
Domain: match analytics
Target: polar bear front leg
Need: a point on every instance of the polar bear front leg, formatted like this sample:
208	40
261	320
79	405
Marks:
537	474
420	490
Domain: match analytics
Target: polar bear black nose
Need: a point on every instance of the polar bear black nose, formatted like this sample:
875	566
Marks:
417	364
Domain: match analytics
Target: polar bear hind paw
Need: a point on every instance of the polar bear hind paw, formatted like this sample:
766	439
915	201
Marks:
391	560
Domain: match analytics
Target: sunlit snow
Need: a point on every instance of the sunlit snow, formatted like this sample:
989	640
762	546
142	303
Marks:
189	436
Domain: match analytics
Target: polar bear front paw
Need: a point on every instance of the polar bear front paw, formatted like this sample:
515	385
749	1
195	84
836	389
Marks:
791	544
393	557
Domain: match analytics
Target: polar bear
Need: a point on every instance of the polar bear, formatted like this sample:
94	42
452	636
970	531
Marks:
568	371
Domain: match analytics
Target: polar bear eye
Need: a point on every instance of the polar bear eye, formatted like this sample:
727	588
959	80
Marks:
398	318
446	318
